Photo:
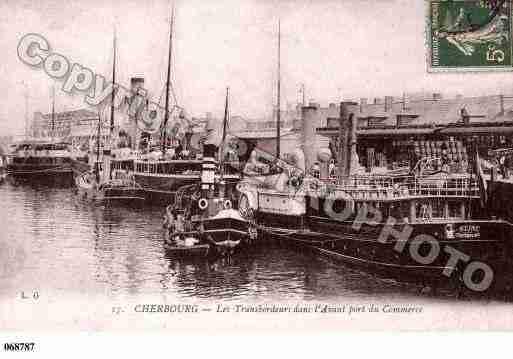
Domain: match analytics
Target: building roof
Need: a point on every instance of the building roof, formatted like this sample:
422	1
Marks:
435	110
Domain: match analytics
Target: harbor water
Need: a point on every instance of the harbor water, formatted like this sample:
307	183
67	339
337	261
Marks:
51	241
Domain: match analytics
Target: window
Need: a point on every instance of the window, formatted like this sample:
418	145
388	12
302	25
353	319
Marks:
437	209
454	210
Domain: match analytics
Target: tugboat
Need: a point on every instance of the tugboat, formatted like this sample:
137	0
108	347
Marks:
109	180
432	229
203	222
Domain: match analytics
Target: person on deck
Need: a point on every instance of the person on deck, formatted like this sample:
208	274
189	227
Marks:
445	161
502	164
332	168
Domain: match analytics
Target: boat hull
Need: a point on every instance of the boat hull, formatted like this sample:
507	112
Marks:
224	235
198	251
128	195
373	248
39	170
80	165
231	229
161	189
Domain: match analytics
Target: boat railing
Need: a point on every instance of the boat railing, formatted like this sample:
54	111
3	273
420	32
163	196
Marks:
168	167
232	167
117	183
40	153
403	187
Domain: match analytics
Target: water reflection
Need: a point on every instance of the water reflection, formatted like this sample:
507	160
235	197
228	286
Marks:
51	240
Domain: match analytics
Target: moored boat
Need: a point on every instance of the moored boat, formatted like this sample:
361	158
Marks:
111	179
221	235
117	189
192	250
40	159
430	227
204	213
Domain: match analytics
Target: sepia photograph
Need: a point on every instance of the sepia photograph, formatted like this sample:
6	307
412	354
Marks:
184	166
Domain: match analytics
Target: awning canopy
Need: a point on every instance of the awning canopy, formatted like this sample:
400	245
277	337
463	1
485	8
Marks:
477	130
481	128
388	131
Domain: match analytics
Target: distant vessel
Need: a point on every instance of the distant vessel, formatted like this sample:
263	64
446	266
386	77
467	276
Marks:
40	159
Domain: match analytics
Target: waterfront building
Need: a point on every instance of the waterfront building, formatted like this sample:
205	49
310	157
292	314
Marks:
392	130
63	124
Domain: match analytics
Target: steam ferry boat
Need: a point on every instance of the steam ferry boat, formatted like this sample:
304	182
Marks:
431	226
42	158
203	220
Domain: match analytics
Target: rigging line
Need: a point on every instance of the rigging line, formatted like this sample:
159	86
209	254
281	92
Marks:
278	105
166	114
113	95
169	79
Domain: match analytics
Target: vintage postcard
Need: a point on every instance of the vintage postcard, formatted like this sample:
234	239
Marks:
468	35
188	167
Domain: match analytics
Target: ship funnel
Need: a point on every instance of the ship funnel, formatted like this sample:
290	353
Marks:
208	168
137	103
309	116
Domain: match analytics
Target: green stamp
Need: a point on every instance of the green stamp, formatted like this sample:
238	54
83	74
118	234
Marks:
470	35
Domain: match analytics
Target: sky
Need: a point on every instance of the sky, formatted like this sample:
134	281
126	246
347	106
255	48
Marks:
338	49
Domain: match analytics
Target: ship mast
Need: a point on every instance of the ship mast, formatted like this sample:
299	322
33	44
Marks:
168	80
113	96
278	115
53	113
98	134
225	128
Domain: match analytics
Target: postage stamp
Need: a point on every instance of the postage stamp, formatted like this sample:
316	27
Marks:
469	35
